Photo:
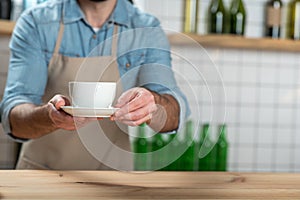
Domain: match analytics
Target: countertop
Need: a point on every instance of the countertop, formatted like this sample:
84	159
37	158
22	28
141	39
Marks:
33	184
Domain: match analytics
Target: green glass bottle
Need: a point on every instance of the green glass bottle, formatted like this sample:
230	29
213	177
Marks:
273	18
190	24
294	19
217	17
206	162
222	149
187	160
141	148
173	147
237	17
166	139
156	144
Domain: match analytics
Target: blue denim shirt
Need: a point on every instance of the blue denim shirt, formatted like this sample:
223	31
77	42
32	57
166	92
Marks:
143	51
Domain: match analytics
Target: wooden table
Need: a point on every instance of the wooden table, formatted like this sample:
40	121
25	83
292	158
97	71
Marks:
154	185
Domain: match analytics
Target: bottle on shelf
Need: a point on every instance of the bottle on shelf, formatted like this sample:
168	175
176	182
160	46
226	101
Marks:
218	17
294	20
5	9
237	17
222	149
207	151
273	18
190	24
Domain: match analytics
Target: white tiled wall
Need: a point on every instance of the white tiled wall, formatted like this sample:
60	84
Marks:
261	87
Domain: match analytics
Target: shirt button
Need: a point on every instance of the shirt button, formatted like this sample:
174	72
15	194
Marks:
127	65
94	36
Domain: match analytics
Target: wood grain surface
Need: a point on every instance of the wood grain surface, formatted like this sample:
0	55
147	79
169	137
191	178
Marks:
23	184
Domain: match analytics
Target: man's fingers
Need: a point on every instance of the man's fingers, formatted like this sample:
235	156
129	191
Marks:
137	122
58	101
58	116
138	114
138	102
59	104
63	120
126	97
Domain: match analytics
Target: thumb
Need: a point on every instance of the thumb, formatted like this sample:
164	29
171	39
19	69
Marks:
61	102
58	101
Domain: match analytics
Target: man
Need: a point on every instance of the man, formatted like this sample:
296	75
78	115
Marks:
52	41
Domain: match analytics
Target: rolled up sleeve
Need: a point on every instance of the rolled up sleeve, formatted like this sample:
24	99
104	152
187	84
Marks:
27	73
157	75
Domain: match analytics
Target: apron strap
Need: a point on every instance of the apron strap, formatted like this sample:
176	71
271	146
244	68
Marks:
59	38
114	48
60	33
114	45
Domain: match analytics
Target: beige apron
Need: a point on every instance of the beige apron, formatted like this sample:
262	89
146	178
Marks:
63	150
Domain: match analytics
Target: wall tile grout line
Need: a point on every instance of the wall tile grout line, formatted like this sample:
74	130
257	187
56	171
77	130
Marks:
294	125
257	117
275	119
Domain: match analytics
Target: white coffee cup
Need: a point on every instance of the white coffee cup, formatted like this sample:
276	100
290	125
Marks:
92	94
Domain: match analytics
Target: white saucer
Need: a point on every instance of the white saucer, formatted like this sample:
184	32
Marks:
89	112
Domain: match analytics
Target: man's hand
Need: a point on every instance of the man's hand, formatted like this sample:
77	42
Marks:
137	106
30	121
61	119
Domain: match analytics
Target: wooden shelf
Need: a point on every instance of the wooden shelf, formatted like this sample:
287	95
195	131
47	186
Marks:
6	27
217	41
236	42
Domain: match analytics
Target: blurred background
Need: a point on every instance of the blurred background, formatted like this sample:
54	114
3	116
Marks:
252	78
261	86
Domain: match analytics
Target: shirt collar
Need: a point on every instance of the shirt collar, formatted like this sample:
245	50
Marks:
72	12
